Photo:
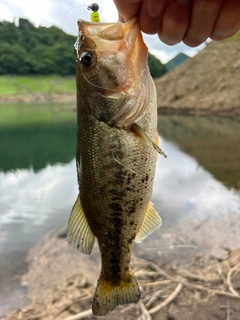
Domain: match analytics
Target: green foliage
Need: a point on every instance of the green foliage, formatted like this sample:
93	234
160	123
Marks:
157	69
180	58
17	63
26	49
37	145
8	33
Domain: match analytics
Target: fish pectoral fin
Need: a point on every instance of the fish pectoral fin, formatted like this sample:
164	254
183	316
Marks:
136	128
79	234
151	222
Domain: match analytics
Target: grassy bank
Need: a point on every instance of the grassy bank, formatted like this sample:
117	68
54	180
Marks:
52	84
36	99
24	114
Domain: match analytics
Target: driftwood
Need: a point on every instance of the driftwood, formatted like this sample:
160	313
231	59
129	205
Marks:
186	279
163	289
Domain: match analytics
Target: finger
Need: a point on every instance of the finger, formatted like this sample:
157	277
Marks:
155	8
151	24
127	9
203	18
228	22
175	22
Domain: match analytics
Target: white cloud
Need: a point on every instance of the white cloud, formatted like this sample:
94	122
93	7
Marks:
5	13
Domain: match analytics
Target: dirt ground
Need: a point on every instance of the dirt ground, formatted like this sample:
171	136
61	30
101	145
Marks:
204	84
184	273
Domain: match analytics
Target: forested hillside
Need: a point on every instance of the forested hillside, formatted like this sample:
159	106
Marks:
176	61
157	69
27	50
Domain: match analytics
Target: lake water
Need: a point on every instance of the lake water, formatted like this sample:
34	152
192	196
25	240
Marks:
38	186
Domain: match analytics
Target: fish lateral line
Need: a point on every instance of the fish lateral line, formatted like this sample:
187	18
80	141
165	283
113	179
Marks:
137	129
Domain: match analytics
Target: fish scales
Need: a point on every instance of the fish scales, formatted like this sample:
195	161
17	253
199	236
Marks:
117	121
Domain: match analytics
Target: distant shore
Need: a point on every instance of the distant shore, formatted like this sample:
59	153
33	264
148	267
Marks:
47	97
40	97
37	89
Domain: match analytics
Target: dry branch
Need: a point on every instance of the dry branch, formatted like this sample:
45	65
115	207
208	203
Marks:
80	315
172	296
229	276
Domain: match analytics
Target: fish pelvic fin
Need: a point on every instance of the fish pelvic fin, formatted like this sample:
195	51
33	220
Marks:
108	296
137	129
152	221
79	234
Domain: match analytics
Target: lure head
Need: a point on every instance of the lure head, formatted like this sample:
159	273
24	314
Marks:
94	7
112	71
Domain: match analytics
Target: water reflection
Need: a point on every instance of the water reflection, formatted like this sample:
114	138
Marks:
183	189
39	196
34	202
213	141
31	204
36	145
31	198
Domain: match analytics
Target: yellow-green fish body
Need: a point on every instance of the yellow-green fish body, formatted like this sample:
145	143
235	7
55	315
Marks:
117	123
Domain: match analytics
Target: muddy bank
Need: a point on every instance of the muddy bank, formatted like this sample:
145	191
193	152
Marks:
186	272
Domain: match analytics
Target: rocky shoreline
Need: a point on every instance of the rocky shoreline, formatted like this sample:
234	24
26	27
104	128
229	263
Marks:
37	98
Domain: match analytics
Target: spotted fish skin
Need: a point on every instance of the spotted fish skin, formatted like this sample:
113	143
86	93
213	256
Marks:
116	101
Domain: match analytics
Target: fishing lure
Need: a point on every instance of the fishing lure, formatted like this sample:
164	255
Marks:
95	17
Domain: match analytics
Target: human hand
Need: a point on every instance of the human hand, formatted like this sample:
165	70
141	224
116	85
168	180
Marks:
190	21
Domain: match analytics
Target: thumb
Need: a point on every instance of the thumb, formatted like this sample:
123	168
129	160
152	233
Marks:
127	8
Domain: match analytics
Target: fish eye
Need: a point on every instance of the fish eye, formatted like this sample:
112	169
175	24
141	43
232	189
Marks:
87	59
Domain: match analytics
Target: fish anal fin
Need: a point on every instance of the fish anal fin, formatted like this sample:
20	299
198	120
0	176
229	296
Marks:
79	234
152	221
108	296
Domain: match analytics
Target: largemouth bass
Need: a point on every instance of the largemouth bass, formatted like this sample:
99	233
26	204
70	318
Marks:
116	154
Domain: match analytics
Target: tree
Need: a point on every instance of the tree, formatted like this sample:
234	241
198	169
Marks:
157	69
13	59
8	33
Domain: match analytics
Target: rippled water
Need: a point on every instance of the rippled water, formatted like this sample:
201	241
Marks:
34	201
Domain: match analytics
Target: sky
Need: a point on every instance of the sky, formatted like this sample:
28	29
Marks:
64	14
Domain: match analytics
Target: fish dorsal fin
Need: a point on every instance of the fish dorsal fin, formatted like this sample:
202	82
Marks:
79	234
151	222
136	128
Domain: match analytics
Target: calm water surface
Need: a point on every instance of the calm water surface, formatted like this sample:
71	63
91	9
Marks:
38	183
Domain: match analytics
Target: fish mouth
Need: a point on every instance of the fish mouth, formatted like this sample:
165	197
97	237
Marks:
116	36
107	30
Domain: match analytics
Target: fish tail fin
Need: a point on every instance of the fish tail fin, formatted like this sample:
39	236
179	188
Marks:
108	296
